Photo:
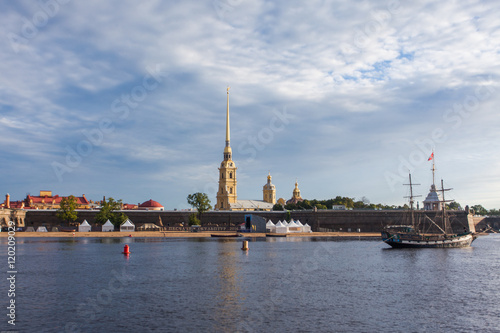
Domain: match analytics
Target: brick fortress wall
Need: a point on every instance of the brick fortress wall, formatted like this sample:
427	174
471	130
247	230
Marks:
321	220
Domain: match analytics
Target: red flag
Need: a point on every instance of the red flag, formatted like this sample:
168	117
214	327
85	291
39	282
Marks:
432	156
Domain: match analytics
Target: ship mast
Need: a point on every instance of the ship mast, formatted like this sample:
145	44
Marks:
433	169
412	211
446	222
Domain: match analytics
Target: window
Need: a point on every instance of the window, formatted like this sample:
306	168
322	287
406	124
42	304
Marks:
231	190
231	175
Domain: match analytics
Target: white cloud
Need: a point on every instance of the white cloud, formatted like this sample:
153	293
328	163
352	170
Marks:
363	80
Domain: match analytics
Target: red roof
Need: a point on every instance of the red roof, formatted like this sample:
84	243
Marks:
56	199
16	204
150	203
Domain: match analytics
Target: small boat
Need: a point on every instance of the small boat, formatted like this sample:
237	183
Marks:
275	235
437	234
226	235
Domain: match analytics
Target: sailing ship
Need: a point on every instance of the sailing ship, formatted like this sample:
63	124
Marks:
424	231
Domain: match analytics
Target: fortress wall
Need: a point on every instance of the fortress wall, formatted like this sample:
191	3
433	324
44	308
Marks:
16	215
483	223
333	220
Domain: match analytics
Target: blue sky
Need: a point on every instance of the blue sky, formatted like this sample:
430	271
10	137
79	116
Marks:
127	99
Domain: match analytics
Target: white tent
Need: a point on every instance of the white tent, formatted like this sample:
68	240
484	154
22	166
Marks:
149	227
306	228
270	226
300	225
127	226
281	228
294	227
84	227
41	229
108	226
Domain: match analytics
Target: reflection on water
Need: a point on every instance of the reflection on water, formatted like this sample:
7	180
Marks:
280	284
228	297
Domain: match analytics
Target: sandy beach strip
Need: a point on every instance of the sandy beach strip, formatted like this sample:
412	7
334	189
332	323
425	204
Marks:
185	234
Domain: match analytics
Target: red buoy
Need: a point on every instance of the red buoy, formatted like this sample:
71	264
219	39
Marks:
126	250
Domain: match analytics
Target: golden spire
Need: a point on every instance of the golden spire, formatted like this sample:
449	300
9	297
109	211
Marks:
227	119
227	149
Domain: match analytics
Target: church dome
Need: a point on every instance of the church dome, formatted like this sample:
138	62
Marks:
151	205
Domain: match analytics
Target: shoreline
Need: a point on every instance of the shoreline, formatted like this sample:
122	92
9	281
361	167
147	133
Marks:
181	234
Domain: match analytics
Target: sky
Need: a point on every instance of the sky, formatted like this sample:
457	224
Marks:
127	99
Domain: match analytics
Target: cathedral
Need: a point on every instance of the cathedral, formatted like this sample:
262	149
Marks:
227	197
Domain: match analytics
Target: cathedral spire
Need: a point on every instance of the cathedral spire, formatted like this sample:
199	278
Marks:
228	135
227	150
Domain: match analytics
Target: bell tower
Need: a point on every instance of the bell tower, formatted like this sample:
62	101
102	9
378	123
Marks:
269	191
226	194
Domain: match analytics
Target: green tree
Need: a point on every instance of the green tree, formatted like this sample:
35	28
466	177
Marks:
67	211
453	206
200	202
480	210
193	220
494	212
278	207
109	211
320	206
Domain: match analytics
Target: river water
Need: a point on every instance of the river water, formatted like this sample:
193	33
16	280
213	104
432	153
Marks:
279	285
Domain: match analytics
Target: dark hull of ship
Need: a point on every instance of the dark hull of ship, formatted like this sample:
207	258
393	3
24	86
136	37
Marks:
399	240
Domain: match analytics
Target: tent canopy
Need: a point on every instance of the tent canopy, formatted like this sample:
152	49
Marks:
149	226
108	226
84	227
127	226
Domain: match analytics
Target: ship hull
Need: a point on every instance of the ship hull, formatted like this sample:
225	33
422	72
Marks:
400	241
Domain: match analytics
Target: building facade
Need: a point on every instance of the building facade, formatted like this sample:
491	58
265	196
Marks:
48	201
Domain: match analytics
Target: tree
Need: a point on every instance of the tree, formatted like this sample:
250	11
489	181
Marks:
193	220
479	210
494	212
278	207
109	212
453	206
67	212
200	202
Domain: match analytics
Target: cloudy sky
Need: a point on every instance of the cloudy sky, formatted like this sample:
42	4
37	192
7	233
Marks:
127	99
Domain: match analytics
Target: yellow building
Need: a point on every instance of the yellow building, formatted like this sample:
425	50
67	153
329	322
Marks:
227	172
227	197
295	195
269	191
